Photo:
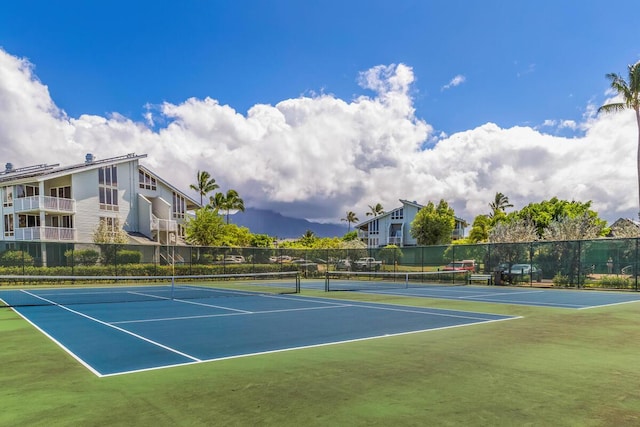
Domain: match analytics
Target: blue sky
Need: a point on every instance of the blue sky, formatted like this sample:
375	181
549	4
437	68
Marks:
522	62
533	66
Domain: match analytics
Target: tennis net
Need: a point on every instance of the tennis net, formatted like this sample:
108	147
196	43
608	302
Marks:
16	290
368	281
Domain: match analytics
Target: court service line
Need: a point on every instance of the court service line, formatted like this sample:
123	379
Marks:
237	310
140	337
205	316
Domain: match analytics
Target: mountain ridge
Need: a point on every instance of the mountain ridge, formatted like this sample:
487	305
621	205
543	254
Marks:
263	221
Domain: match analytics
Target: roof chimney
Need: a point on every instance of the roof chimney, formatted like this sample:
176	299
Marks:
89	158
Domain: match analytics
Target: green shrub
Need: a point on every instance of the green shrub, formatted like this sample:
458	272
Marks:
16	259
560	280
82	257
125	256
616	282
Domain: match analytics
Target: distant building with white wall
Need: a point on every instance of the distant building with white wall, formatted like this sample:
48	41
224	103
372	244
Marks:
394	227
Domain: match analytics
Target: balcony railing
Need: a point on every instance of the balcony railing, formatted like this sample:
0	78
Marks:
158	224
46	203
395	241
55	234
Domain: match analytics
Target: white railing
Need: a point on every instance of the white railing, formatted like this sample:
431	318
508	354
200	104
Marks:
47	203
55	234
395	241
158	224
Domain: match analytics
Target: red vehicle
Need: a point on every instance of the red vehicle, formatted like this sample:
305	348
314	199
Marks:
465	264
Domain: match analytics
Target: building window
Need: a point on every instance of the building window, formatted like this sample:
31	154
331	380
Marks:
7	197
179	205
147	182
108	188
27	191
8	225
60	192
111	225
374	227
28	221
62	221
398	214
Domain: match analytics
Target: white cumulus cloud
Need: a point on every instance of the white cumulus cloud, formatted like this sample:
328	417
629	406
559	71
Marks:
317	157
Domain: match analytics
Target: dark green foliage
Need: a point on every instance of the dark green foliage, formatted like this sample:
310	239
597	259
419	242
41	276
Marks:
124	256
82	257
15	259
433	224
390	254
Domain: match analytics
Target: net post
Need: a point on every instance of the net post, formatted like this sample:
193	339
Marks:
326	280
406	280
298	283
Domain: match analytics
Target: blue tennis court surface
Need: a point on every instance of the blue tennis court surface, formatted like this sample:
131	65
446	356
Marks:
118	338
574	298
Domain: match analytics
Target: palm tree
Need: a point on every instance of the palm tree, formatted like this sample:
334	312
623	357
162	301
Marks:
630	93
376	210
351	218
205	184
499	204
231	201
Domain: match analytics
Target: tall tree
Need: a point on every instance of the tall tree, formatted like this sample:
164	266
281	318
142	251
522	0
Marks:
480	229
230	201
433	224
205	229
375	210
630	93
206	184
499	204
350	218
542	214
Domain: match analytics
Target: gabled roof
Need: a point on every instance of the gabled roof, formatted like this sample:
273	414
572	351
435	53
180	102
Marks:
40	172
172	187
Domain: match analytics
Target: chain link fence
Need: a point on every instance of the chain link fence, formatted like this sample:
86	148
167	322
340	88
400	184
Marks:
599	264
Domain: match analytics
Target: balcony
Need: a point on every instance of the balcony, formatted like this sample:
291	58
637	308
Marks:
52	234
45	203
158	224
395	241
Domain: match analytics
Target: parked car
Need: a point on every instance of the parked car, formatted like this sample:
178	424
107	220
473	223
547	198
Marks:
233	259
343	264
465	264
367	264
521	270
280	259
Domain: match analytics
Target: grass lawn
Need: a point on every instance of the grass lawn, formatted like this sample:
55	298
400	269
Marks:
553	367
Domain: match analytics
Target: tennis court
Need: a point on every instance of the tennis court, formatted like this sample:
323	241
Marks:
150	327
453	287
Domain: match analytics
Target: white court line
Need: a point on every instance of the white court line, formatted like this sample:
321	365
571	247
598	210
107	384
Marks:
204	316
493	294
312	346
607	305
425	312
140	337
